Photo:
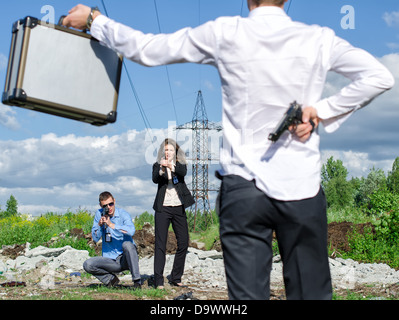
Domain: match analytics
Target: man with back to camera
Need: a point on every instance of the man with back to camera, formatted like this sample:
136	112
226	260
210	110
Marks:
116	229
265	62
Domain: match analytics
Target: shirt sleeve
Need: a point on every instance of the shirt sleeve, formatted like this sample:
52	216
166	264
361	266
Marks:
181	169
157	176
369	78
125	223
96	231
186	45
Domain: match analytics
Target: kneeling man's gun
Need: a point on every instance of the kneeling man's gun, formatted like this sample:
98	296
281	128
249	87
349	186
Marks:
292	117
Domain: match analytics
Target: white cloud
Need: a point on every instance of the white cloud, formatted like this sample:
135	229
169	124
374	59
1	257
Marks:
69	172
391	18
393	45
63	173
209	85
370	137
7	117
391	62
40	209
358	164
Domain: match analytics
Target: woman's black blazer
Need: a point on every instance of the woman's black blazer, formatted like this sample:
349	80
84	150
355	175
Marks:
184	194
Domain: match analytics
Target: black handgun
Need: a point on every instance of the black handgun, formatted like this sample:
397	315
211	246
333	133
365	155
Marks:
105	211
292	117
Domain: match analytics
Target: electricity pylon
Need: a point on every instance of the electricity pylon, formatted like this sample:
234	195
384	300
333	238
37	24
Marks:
200	156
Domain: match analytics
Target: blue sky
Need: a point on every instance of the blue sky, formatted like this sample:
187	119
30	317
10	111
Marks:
54	164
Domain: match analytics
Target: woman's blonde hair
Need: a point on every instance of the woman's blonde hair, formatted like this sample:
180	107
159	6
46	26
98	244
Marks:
179	153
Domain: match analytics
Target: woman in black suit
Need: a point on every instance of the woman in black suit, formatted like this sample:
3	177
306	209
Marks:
172	198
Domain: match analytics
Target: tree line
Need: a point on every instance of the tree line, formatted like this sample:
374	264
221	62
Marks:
11	208
377	193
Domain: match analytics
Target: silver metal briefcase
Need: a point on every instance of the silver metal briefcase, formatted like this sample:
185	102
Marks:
63	72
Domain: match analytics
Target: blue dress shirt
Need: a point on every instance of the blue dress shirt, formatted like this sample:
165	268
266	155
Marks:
122	221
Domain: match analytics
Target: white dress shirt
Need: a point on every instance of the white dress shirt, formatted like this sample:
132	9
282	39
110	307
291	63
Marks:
265	62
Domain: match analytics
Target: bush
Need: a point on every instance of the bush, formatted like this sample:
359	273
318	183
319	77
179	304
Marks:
37	231
145	217
380	244
370	248
201	221
387	227
385	206
338	190
382	201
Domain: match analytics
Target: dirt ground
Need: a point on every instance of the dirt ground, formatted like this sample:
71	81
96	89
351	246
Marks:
338	234
71	286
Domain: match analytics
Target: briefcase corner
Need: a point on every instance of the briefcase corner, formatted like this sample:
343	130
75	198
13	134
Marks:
14	97
111	118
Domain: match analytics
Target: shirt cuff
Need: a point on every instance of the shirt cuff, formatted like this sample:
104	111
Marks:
98	26
332	118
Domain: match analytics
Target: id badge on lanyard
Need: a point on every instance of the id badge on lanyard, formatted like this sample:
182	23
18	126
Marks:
108	237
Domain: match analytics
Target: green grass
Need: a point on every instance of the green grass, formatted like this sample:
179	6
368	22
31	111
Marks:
101	293
39	230
354	215
208	236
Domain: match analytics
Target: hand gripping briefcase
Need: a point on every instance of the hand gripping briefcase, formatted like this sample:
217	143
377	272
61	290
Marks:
62	72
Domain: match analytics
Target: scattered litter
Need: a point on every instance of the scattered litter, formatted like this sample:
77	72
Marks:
76	274
186	296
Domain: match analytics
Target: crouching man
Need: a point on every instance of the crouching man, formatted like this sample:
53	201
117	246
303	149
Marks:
116	229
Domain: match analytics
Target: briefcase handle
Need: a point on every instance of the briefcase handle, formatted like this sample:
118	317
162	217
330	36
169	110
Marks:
61	23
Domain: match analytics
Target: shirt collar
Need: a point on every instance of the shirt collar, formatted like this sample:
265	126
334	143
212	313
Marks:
267	10
116	212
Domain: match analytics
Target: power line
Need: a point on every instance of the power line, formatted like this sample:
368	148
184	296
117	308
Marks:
105	9
141	109
289	6
166	67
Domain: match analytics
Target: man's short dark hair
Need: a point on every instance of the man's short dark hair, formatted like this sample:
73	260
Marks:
104	196
274	2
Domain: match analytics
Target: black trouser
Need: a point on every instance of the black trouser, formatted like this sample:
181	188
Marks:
176	215
247	220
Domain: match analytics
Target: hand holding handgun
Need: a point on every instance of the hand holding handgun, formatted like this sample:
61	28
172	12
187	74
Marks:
292	118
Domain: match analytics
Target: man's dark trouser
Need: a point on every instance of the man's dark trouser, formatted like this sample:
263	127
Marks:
247	220
104	269
176	215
